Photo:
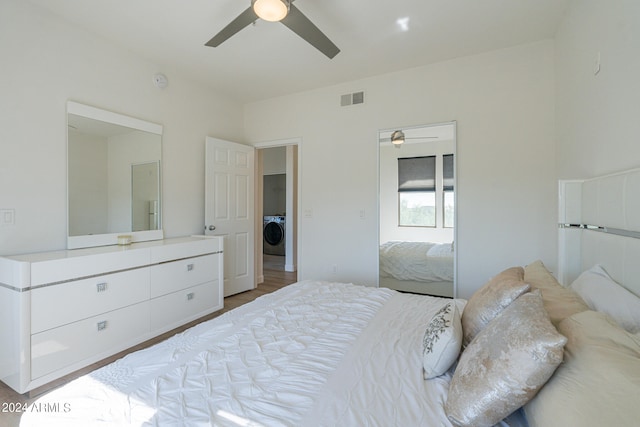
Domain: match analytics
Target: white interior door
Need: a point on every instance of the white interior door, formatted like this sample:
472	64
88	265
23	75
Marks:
229	209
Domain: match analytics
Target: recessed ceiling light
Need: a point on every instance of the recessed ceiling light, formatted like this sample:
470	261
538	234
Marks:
403	23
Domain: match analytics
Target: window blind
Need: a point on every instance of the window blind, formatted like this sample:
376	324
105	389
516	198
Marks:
447	172
417	173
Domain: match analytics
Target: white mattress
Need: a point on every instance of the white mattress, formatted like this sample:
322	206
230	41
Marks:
417	261
311	354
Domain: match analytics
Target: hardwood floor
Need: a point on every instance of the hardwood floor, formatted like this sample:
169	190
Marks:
274	279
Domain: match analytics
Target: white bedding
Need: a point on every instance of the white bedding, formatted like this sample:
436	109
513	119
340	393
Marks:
311	354
418	261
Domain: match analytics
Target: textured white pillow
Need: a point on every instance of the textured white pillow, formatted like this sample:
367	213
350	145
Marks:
602	293
442	341
559	302
599	381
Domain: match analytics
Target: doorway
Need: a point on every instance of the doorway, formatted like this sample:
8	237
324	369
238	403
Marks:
276	207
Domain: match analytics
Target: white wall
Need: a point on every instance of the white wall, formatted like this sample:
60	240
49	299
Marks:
274	160
125	150
598	115
503	104
45	62
89	185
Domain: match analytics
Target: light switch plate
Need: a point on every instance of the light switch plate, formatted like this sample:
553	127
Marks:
7	216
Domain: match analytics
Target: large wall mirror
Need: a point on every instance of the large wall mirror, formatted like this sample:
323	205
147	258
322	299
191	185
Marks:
418	209
113	177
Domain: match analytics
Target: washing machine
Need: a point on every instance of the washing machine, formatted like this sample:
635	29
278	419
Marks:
274	233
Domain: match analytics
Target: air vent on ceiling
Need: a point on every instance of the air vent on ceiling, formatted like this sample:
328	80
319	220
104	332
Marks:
352	99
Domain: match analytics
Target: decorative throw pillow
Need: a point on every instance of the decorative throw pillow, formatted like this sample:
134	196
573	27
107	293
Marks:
442	341
560	302
599	381
488	301
505	365
602	293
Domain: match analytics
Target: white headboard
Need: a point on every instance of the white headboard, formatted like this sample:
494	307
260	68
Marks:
600	224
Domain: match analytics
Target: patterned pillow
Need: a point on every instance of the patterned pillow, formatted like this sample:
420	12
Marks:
505	365
442	341
488	301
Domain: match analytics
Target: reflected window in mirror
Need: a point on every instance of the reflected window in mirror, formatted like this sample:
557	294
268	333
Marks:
417	191
426	191
448	191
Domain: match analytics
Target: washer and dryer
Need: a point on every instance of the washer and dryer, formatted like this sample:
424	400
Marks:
274	233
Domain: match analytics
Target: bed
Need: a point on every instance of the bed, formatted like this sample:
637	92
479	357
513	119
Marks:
275	361
523	350
418	267
313	353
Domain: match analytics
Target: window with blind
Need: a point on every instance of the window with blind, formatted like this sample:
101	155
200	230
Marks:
421	183
448	206
417	191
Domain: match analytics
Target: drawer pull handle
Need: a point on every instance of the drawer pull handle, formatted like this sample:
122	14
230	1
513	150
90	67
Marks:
190	296
190	267
102	325
101	287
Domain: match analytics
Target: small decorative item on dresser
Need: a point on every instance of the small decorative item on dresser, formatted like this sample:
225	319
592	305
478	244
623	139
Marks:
124	240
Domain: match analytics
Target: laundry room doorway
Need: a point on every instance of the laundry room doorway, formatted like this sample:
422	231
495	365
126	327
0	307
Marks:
277	209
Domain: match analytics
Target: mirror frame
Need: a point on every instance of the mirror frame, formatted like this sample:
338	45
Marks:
93	240
454	125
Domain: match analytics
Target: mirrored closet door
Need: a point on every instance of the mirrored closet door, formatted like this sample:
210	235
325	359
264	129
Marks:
417	199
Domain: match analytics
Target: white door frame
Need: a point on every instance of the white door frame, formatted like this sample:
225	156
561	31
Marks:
258	206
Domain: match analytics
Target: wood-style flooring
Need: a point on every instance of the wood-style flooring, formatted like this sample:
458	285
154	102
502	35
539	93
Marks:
274	279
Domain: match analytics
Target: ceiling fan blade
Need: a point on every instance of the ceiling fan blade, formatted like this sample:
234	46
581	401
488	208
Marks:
415	137
300	24
245	18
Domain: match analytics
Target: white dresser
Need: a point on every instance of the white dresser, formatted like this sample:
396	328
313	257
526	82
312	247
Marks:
61	311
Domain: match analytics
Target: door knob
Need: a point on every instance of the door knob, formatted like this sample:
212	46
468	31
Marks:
212	227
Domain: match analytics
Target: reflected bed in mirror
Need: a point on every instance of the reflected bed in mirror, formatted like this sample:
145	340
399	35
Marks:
113	177
417	209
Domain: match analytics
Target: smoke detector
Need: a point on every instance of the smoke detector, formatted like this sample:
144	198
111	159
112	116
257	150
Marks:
160	80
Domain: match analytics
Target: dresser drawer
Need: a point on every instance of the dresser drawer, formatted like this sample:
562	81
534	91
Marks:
188	247
170	311
110	332
173	276
57	305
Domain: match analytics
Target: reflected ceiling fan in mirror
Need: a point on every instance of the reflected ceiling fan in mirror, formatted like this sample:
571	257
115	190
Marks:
398	137
278	11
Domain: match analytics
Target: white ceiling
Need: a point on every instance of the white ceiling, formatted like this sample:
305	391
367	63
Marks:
267	59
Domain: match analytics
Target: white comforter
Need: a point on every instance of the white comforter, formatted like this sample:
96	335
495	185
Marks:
418	261
311	354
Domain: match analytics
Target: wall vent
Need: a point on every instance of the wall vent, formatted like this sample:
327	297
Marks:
352	99
358	97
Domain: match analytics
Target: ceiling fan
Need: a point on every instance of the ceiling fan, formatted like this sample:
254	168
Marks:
397	138
283	11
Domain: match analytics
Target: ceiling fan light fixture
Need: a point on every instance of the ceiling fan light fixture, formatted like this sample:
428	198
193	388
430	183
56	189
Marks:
271	10
397	137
